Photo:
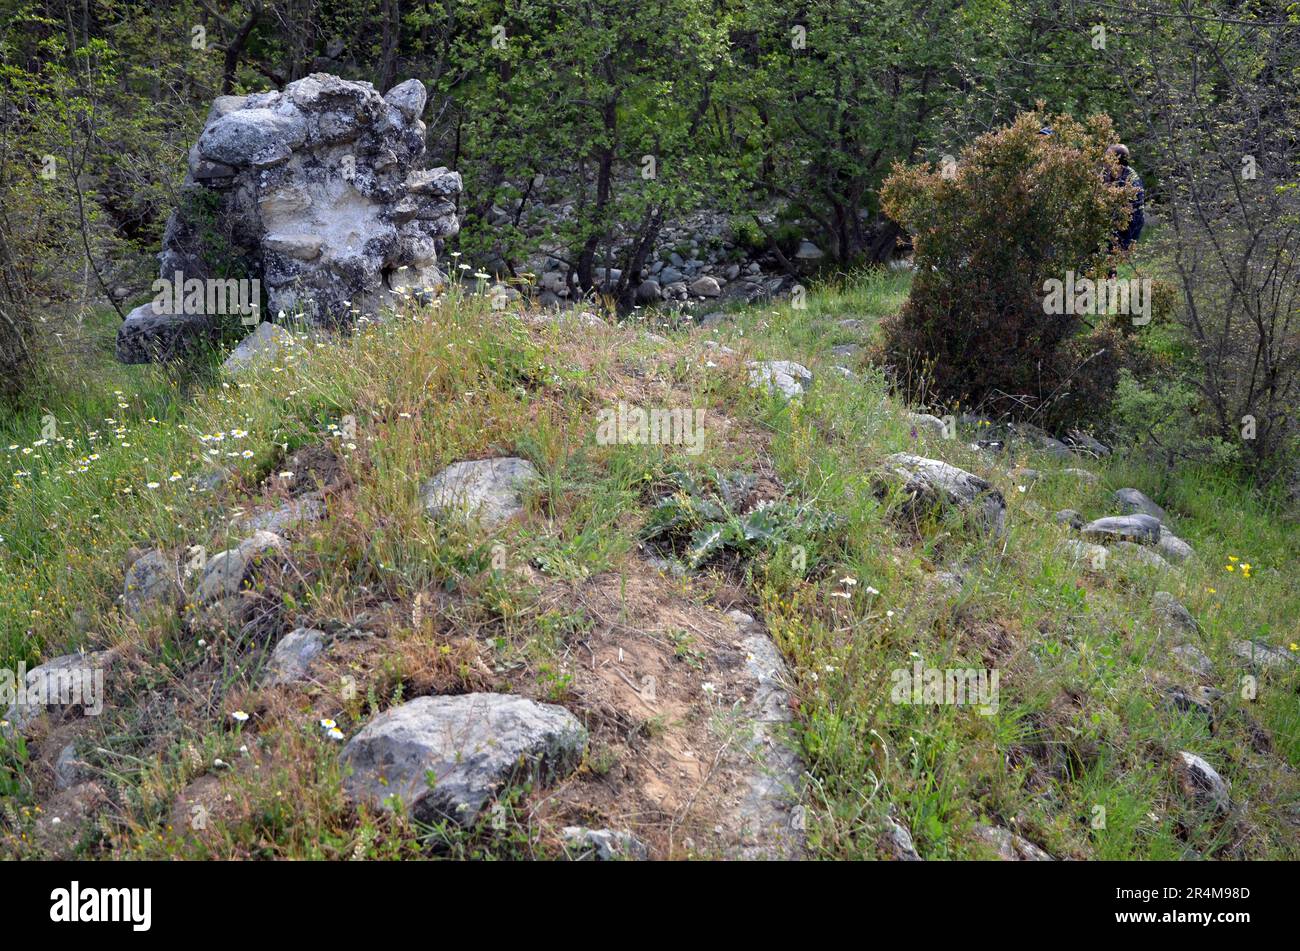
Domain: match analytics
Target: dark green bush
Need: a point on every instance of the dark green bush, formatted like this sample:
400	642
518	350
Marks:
1019	209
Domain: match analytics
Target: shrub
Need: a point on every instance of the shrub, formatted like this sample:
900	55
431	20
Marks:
1018	209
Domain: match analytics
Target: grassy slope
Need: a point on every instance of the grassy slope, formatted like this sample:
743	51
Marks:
1082	722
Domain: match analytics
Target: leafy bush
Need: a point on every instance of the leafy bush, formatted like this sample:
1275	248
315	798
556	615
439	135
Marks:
698	521
1018	209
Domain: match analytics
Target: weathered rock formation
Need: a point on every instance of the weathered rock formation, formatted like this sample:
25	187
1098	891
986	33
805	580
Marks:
316	194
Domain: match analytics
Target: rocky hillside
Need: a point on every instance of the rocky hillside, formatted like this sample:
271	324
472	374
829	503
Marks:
484	580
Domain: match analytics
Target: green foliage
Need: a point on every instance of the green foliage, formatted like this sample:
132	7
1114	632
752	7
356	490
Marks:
1019	209
698	521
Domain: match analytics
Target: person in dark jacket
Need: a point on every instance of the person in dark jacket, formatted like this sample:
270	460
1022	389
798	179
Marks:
1126	237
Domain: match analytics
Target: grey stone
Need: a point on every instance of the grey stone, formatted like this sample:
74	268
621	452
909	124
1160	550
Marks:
808	252
1192	658
846	351
261	347
294	512
1069	517
931	482
603	845
1201	782
325	208
152	334
487	490
151	582
1009	846
1263	656
73	680
780	376
69	770
898	841
225	572
1094	556
1132	501
1036	437
1132	552
1141	555
1170	611
768	821
648	291
1140	528
256	137
705	287
408	98
1083	475
445	757
924	422
1084	443
1172	547
293	656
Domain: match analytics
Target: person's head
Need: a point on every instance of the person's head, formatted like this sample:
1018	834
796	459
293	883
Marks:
1120	152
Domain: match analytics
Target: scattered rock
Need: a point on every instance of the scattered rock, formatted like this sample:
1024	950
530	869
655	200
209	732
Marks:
1093	555
1009	846
602	845
1083	475
705	287
1193	700
259	348
305	508
1192	658
808	251
444	757
930	482
1039	439
648	291
897	841
1139	528
293	656
1262	656
924	422
1143	556
69	817
768	821
1069	517
69	770
67	683
846	351
1171	612
225	573
152	582
490	491
1084	443
1131	501
780	376
151	333
1172	547
1200	781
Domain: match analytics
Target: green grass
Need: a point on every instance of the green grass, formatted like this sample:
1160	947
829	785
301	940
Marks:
1082	726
